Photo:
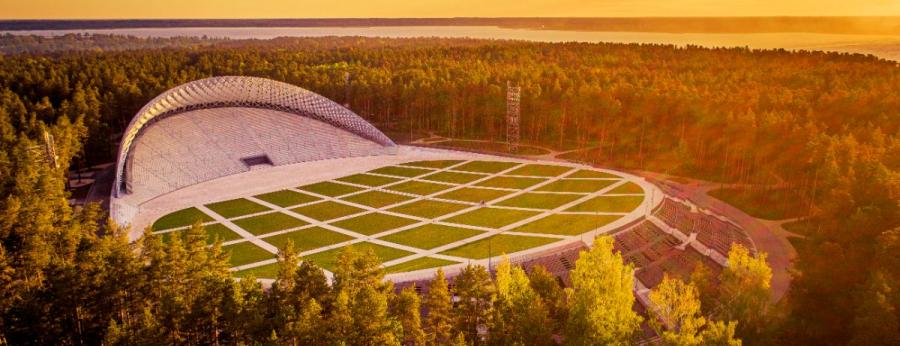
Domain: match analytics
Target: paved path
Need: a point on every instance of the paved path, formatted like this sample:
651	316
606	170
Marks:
416	253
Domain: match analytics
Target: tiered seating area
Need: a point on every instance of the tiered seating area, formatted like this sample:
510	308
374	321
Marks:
677	215
205	144
558	263
711	231
680	264
644	244
719	235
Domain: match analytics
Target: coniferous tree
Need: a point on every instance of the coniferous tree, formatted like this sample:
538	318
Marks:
439	321
474	290
405	307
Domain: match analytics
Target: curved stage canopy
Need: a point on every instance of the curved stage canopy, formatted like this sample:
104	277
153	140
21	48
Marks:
214	127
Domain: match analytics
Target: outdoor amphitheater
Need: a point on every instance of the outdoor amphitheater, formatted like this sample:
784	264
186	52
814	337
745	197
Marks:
261	163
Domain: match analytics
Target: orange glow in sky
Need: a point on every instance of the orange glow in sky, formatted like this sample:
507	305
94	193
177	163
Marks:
99	9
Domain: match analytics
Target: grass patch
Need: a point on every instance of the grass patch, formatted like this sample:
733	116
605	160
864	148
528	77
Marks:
433	163
327	259
609	204
268	223
491	217
373	223
498	245
307	239
236	207
539	200
563	224
377	199
327	210
418	187
246	253
268	271
286	198
401	171
454	177
510	182
181	218
430	236
540	170
418	264
429	209
330	189
486	166
368	179
576	185
776	204
587	173
213	232
474	195
628	187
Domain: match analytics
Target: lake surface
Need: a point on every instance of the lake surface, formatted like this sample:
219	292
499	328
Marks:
887	47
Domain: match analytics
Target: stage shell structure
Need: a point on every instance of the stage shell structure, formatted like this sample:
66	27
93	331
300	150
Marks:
221	126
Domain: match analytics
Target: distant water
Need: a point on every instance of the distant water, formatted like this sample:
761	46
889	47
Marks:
887	47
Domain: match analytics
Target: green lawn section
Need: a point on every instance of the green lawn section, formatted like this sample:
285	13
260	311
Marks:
567	224
628	187
540	170
246	253
236	207
307	239
373	223
485	166
401	171
268	271
327	259
419	187
430	236
769	204
267	223
473	195
429	209
327	210
587	173
611	204
377	199
576	185
367	179
539	200
330	189
433	163
491	217
181	218
498	245
510	182
213	232
286	198
453	177
418	264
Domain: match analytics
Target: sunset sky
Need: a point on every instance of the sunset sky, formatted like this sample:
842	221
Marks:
98	9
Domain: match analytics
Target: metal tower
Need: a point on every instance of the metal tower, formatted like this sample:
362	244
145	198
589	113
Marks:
513	94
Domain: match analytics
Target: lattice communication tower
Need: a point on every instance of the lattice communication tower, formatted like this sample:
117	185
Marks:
513	95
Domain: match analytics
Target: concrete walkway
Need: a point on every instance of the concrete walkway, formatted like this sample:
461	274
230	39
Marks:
416	253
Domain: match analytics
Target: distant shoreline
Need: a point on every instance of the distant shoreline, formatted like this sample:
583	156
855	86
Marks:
736	25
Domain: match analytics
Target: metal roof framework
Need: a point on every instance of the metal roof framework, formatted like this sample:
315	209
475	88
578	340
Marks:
239	91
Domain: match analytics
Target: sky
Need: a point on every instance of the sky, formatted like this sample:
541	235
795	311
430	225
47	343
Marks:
130	9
